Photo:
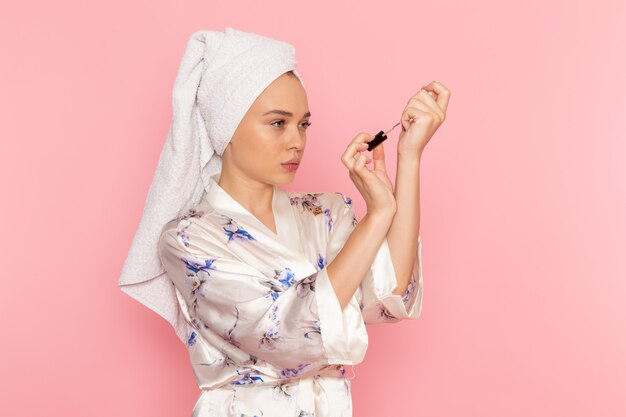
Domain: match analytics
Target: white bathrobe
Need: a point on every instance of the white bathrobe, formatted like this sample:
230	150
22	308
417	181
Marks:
265	331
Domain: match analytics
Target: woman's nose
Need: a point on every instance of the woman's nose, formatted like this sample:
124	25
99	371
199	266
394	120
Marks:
299	139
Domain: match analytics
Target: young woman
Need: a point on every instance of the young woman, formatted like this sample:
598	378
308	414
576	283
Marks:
272	288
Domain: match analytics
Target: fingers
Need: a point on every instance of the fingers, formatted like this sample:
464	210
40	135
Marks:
355	159
360	170
414	114
411	114
429	102
424	101
359	165
379	158
419	111
354	149
442	93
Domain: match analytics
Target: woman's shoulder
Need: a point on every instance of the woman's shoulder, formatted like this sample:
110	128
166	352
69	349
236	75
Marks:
184	220
194	228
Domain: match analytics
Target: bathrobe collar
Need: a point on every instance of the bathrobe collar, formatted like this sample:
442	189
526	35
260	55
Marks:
287	242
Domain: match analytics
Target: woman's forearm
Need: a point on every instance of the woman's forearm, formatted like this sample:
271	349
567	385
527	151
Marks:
355	258
404	231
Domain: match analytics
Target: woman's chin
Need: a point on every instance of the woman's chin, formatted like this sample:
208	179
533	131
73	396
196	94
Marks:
286	178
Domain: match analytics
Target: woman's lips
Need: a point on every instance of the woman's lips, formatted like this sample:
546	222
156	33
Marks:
290	167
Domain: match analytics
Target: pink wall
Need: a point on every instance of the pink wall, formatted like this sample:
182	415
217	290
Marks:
523	197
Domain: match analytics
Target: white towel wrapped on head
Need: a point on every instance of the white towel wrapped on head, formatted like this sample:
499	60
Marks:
219	78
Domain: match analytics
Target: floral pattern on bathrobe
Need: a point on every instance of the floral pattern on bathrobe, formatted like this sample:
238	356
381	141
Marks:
261	311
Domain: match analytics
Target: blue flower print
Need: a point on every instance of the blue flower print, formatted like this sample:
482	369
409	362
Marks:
234	231
198	324
195	323
239	233
275	287
247	378
290	373
184	237
321	262
283	279
274	294
328	219
192	339
197	267
195	280
348	202
346	199
286	277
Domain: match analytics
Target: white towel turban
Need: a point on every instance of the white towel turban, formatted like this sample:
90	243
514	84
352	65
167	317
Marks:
219	78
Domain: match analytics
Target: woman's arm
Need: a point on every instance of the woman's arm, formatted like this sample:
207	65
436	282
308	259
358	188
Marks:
354	260
404	231
422	116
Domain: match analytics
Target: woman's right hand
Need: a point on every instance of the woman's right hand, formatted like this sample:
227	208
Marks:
374	185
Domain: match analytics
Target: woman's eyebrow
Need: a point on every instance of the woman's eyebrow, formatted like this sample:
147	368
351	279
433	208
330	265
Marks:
285	113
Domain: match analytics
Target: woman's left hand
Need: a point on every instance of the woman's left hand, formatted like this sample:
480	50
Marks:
421	118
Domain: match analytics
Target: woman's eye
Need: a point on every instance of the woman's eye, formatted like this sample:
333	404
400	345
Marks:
278	121
305	124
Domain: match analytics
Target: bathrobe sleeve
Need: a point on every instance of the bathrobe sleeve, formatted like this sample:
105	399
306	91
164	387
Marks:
288	323
375	294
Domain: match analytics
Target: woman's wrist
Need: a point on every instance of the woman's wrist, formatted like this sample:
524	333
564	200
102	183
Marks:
382	218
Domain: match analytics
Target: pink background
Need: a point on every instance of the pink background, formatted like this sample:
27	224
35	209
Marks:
523	193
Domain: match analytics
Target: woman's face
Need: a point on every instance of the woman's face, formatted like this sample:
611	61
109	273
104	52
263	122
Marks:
272	132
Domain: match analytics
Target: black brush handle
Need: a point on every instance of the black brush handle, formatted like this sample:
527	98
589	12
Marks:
378	139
